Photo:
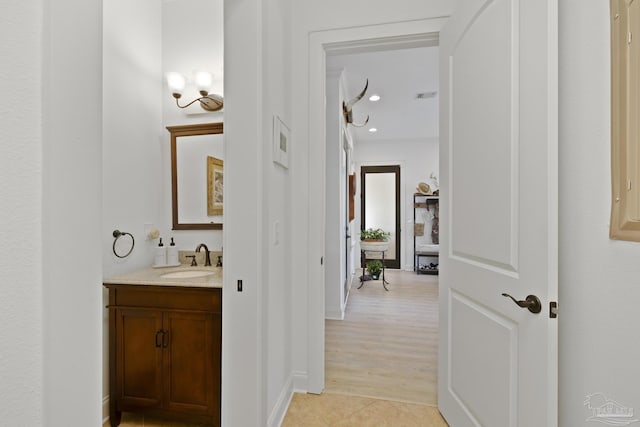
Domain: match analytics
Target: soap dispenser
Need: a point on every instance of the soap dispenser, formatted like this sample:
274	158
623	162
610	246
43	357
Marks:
172	254
161	255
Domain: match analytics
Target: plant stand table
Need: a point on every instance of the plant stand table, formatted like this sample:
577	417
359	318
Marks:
363	261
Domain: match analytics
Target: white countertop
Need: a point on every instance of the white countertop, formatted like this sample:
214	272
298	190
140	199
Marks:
153	277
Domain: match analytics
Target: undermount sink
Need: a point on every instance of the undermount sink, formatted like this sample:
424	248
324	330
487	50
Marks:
187	274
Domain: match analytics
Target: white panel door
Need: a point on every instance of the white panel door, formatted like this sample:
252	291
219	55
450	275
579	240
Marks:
498	361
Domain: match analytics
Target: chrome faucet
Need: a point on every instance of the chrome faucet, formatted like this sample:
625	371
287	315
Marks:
207	256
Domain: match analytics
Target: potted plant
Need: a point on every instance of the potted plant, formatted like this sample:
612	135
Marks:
374	235
374	239
374	267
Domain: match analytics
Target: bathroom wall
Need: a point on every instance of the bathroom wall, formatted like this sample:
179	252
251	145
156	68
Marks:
133	149
192	40
142	41
133	152
418	159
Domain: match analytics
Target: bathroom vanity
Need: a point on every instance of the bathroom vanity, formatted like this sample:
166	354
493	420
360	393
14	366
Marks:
165	337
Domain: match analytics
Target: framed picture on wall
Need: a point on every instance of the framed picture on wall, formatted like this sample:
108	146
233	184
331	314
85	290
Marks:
281	142
215	186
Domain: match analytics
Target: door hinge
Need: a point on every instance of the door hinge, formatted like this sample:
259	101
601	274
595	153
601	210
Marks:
553	310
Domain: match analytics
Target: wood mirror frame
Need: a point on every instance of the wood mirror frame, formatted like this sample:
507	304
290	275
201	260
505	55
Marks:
188	130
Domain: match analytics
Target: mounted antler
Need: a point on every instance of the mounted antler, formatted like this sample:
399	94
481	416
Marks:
347	108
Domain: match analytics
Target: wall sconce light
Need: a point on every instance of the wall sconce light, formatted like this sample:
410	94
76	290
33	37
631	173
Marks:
203	81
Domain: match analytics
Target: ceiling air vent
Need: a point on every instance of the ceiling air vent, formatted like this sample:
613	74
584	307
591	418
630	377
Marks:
426	95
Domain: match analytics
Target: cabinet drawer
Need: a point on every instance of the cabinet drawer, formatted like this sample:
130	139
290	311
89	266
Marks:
200	299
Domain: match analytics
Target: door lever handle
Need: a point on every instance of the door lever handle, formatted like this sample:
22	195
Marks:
531	303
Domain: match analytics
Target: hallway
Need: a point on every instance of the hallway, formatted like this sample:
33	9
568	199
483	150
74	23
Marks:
381	360
387	345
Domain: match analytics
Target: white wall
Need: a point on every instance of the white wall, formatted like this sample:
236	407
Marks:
256	359
71	215
192	40
133	153
276	196
418	159
599	278
21	167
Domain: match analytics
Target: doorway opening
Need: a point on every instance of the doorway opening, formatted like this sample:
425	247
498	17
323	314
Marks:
418	33
406	158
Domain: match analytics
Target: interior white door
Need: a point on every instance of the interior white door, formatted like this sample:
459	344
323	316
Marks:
498	361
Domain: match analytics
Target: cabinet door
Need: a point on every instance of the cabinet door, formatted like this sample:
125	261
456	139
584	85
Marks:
139	358
192	362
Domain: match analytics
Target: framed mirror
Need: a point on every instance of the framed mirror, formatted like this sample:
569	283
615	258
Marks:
197	172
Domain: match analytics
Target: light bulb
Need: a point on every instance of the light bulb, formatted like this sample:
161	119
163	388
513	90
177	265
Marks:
176	83
203	80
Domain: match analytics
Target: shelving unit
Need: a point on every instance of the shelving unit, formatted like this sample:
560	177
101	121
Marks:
422	201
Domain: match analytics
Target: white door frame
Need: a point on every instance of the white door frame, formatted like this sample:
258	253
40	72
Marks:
374	37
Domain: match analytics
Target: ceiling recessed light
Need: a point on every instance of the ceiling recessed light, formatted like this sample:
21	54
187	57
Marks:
374	98
373	130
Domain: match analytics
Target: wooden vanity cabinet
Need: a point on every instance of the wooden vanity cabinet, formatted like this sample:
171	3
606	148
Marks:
165	352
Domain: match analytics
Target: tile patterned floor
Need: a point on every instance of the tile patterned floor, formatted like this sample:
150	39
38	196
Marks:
331	410
335	410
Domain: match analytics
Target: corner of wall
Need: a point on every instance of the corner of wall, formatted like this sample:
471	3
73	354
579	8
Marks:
300	381
282	404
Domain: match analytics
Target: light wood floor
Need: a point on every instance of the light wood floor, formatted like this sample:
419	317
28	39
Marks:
387	345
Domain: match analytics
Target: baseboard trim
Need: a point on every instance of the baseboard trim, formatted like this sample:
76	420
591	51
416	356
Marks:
105	409
282	404
300	382
334	315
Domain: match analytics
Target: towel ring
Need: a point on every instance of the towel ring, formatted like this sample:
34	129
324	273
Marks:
118	234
